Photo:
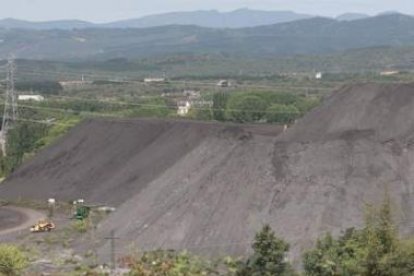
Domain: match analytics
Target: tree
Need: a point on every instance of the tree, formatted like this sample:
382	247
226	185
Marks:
203	114
154	108
401	261
12	260
374	250
246	108
283	114
43	87
279	98
169	263
22	139
219	106
335	257
269	257
380	237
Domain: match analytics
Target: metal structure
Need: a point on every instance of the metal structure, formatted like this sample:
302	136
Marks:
112	238
10	105
82	212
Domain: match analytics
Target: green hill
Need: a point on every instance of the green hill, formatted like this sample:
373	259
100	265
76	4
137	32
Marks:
311	36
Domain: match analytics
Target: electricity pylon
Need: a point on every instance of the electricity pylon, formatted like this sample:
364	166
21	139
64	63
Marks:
10	105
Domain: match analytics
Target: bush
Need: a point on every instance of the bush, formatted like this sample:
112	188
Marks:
12	260
373	250
81	226
246	108
155	108
281	108
21	139
283	114
57	130
219	106
304	105
278	98
269	257
170	263
203	114
43	87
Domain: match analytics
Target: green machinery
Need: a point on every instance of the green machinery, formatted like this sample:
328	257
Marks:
81	212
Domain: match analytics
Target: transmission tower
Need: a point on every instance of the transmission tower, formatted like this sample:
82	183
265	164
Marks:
10	105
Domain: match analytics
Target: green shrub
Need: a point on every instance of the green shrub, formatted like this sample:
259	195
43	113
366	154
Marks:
154	107
219	106
246	108
170	263
373	250
43	87
81	226
12	260
21	139
283	114
304	105
269	257
204	114
57	130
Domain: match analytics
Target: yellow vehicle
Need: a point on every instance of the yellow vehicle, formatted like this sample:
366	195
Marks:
42	226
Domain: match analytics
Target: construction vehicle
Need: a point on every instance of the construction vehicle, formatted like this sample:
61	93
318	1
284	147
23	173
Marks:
42	226
82	212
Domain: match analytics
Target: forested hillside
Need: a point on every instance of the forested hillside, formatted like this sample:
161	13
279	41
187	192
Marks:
311	36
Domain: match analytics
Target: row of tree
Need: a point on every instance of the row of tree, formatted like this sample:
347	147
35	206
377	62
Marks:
281	108
42	87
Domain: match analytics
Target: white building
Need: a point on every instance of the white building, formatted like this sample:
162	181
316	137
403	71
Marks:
36	98
74	83
223	83
202	103
192	94
154	80
389	73
183	107
319	76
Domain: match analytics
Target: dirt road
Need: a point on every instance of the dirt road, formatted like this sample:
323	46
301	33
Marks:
14	219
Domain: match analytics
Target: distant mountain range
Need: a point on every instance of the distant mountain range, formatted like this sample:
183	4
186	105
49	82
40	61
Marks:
212	19
10	23
302	37
351	16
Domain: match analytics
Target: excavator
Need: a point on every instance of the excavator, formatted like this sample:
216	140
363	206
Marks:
43	226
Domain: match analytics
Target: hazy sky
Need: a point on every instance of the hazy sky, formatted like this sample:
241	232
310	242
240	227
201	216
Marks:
109	10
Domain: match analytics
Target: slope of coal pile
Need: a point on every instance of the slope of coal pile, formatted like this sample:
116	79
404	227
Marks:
314	178
385	111
352	150
109	161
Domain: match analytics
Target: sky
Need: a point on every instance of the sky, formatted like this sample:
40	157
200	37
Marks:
112	10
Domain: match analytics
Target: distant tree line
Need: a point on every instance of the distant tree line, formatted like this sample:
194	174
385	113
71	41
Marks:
41	87
281	108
